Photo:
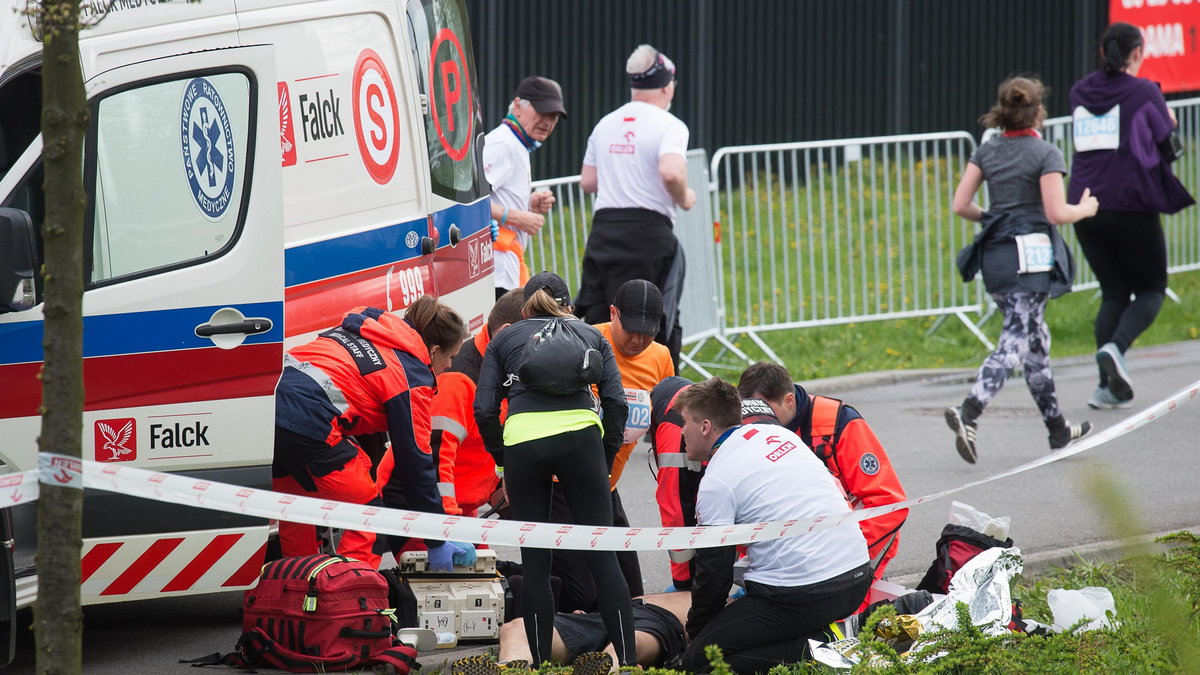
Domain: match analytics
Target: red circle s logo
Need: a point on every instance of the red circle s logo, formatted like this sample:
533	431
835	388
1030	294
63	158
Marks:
376	117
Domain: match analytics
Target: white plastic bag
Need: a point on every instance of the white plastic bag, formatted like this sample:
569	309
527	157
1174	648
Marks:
968	516
1070	607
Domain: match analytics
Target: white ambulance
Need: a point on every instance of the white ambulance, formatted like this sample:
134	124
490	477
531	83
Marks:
253	169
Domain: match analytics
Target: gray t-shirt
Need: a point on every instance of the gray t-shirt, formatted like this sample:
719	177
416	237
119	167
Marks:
1013	167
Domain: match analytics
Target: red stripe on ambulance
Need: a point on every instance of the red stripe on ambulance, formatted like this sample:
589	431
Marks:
180	376
97	556
201	563
248	573
143	566
194	562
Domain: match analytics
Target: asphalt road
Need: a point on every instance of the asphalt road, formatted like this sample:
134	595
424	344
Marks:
1050	507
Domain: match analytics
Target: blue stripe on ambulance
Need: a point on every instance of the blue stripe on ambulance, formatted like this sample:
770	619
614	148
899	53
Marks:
137	332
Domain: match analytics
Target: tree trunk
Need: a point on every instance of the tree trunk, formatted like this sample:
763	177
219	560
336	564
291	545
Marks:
59	620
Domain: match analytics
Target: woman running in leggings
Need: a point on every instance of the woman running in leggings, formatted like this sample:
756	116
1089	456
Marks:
1121	120
547	435
1023	260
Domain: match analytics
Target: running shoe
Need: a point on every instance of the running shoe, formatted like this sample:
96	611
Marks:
592	663
479	664
1112	363
964	433
1069	434
1104	399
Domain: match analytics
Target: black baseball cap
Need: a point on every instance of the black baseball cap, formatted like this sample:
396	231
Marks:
552	284
544	94
641	306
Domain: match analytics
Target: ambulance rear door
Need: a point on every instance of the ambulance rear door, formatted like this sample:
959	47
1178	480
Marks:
183	313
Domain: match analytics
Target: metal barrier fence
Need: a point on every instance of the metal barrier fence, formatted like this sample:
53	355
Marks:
833	232
1182	229
795	235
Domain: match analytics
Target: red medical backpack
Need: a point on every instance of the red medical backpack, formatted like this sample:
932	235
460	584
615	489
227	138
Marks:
320	613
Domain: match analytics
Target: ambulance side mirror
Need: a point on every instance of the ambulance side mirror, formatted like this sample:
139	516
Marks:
18	261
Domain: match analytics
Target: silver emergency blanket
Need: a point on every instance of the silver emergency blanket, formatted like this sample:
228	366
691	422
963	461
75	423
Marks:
983	584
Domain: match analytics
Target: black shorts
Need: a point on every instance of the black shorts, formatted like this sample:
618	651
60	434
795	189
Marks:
586	633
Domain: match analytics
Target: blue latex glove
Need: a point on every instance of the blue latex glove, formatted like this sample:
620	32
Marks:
670	588
444	557
441	557
494	228
466	556
737	593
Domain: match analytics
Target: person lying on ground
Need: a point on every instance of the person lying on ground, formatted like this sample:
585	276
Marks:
657	624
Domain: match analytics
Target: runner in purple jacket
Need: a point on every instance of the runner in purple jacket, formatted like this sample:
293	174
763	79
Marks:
1121	121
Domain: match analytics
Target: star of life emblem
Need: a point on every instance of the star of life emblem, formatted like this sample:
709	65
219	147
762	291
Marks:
207	147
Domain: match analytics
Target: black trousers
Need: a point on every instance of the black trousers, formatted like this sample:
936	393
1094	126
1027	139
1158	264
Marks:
577	458
578	588
627	244
1128	252
764	628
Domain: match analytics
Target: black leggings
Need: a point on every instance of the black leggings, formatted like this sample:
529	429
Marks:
577	458
1128	252
578	586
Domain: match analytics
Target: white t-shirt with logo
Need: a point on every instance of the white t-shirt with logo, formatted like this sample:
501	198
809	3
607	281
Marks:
764	472
506	167
625	148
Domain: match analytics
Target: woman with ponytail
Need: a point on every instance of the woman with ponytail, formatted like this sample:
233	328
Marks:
1121	122
1023	259
372	373
556	435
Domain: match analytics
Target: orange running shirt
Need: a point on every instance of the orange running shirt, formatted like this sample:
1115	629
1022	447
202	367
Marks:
638	375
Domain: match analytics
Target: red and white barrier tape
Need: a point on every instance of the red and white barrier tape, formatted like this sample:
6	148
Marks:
23	487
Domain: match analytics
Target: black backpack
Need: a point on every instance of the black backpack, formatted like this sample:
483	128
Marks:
558	360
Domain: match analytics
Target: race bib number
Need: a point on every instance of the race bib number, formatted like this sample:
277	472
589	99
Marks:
639	414
1097	132
1034	253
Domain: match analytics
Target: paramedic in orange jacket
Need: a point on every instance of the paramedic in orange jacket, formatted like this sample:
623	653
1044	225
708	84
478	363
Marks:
678	479
373	373
636	315
849	448
466	472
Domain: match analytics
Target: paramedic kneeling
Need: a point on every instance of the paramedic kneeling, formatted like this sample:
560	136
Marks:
794	586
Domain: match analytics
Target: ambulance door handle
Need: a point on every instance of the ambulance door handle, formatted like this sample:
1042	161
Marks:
252	326
228	327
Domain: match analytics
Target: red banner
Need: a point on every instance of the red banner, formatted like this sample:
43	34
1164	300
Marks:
1171	29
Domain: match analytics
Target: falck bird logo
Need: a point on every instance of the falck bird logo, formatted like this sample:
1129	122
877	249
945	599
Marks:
115	441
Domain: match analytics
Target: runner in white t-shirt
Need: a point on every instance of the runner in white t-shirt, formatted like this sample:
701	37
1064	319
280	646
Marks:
536	108
626	148
795	586
635	162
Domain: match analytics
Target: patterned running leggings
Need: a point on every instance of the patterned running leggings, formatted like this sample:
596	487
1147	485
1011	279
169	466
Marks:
1024	339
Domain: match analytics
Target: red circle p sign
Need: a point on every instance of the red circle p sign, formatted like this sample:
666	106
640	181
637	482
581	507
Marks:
450	94
376	117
